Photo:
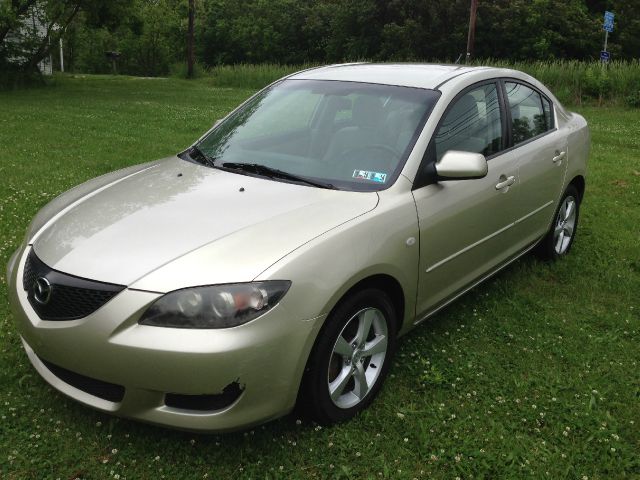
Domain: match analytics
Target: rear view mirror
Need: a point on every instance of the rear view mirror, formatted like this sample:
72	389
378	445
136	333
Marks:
456	165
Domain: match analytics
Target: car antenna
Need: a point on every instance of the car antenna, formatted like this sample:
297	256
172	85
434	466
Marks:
458	60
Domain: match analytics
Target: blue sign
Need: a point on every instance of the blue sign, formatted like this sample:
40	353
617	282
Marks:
608	21
605	56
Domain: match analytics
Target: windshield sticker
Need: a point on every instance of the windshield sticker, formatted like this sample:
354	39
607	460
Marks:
371	176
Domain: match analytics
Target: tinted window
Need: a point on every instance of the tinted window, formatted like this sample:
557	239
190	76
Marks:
472	124
355	136
528	116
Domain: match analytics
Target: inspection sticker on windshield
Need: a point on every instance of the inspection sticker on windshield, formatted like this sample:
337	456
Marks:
372	176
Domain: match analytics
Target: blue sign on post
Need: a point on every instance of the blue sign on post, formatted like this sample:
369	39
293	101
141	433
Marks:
608	22
605	56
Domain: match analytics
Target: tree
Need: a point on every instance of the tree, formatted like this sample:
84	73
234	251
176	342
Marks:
54	17
190	53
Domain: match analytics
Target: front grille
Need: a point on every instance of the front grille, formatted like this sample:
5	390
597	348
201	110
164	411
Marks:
97	388
69	297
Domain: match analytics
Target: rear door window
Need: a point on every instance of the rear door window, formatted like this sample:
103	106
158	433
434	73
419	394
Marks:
529	116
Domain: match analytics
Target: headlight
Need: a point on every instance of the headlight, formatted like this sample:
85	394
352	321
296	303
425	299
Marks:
216	306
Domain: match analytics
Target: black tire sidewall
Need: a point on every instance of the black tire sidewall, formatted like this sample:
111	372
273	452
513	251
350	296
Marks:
316	399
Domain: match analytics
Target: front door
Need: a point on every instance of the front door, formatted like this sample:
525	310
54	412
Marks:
465	224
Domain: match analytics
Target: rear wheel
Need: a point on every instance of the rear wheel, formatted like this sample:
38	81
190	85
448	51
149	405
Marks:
558	241
351	357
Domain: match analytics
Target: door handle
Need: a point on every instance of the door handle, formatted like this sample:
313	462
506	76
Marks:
559	156
505	182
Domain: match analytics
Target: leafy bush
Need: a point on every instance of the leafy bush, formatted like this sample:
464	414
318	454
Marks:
633	100
596	82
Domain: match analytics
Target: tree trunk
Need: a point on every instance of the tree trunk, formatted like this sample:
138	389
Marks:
190	59
471	37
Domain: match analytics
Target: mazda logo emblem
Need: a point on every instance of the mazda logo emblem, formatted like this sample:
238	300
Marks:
42	290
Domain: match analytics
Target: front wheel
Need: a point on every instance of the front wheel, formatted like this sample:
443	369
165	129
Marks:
351	357
558	241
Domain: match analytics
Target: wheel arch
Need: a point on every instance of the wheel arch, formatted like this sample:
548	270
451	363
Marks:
388	284
382	281
579	182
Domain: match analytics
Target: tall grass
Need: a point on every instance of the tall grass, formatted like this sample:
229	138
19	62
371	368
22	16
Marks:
572	81
252	76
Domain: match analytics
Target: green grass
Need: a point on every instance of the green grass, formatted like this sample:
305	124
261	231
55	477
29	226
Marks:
531	375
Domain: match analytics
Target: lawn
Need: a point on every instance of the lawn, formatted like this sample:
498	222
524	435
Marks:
534	374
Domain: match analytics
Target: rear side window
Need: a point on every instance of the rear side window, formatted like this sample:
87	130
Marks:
472	124
530	112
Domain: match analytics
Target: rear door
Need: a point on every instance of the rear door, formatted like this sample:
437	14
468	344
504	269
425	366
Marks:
541	152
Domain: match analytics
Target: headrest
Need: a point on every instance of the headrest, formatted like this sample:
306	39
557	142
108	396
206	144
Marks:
367	111
463	114
466	107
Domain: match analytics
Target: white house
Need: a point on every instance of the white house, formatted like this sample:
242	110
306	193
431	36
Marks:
28	37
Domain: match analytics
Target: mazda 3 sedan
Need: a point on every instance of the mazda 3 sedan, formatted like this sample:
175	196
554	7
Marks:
279	258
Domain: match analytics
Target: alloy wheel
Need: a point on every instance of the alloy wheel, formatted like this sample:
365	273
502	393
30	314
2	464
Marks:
357	357
565	225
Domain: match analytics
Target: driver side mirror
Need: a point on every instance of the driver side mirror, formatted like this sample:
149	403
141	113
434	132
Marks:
457	165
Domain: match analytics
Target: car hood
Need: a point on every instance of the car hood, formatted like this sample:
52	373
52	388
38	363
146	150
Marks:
186	224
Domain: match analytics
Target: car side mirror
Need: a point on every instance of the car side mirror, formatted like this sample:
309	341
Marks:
457	165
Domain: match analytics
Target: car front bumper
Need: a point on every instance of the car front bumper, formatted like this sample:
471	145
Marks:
265	358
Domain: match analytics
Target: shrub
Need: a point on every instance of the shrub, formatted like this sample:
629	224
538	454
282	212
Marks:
633	100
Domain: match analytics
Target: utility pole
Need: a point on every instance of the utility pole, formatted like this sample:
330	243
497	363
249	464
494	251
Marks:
190	59
472	29
61	56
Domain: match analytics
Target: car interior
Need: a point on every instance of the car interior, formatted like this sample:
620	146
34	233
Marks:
329	135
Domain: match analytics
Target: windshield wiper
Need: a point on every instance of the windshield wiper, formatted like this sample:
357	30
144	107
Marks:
199	156
275	173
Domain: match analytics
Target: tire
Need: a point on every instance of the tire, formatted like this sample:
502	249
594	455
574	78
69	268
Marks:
353	373
559	239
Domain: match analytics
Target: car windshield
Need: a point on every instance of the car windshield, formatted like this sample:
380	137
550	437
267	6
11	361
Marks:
345	135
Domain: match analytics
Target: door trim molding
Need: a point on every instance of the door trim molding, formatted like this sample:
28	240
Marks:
530	214
475	283
468	247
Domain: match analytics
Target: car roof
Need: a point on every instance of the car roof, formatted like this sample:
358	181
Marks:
417	75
